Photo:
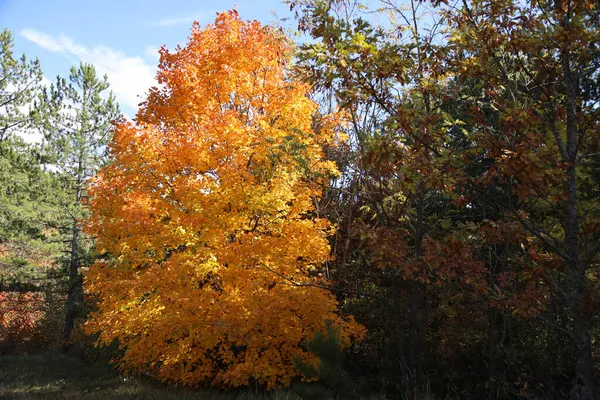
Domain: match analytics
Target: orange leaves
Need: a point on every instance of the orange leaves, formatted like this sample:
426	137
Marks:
21	315
204	213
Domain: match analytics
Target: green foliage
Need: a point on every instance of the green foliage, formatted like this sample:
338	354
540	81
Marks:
19	81
75	117
332	379
21	179
25	191
27	211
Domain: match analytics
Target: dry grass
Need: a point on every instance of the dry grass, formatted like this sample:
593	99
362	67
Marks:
55	376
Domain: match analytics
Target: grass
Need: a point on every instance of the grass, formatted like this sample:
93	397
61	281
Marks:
57	376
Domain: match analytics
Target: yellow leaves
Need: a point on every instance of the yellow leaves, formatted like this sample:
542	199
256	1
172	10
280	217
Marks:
203	211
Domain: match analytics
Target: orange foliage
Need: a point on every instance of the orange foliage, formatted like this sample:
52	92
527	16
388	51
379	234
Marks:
206	212
20	316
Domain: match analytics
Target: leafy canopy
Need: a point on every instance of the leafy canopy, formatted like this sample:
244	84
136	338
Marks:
206	217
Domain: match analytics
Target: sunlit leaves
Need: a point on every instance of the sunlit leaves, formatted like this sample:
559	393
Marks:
206	216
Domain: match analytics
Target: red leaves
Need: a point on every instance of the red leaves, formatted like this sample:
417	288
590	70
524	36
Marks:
20	316
453	259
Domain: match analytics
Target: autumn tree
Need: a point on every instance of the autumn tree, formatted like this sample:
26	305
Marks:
391	78
463	173
205	217
75	116
535	121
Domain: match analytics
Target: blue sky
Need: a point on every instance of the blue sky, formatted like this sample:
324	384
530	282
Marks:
120	38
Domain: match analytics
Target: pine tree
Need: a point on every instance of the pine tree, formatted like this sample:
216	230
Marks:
19	80
76	118
23	183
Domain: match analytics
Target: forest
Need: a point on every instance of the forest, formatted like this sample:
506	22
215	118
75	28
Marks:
399	200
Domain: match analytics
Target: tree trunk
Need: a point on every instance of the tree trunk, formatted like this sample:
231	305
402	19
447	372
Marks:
74	291
417	310
416	333
584	387
497	264
494	320
75	287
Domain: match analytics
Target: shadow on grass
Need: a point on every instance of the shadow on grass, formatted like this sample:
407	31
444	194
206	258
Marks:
56	376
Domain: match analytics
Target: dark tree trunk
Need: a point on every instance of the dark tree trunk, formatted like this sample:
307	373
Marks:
584	387
417	309
497	264
495	323
416	333
75	287
74	291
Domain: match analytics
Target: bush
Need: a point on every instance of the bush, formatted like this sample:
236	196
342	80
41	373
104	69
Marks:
329	378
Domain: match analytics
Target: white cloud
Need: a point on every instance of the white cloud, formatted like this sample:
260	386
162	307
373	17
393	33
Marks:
42	40
152	52
45	82
179	20
129	77
31	136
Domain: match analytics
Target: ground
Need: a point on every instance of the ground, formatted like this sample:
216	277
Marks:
56	376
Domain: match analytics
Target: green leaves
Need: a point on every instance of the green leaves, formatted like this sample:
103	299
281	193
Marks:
19	81
76	118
